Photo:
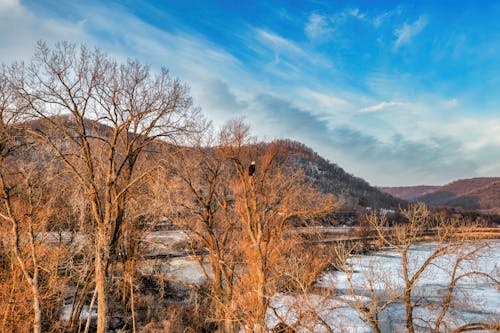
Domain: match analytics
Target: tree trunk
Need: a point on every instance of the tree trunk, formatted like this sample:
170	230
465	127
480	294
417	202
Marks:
409	311
261	294
408	290
101	282
37	320
373	322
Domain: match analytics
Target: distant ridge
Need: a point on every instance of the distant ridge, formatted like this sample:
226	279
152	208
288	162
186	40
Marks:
478	194
409	192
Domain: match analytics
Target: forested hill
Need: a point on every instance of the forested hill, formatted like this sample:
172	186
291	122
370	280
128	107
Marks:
331	178
480	194
353	191
409	192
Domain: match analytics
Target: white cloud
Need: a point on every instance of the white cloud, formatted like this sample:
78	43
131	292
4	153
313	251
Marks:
320	27
20	29
9	4
475	133
279	44
327	101
383	106
290	59
451	103
378	20
406	32
356	13
317	27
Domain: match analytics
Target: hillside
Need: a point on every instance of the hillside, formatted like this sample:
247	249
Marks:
328	177
409	192
331	178
480	194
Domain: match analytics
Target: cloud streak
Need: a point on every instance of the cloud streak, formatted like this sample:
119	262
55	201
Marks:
383	106
21	29
405	161
407	32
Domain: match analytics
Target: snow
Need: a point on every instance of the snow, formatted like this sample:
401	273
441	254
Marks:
379	275
376	275
185	270
165	243
66	312
300	311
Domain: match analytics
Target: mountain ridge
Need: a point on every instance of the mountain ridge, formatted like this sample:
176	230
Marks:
478	194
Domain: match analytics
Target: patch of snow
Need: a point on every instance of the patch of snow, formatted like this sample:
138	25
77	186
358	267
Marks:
380	275
311	313
185	269
66	312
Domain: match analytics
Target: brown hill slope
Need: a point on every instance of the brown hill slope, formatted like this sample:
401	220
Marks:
331	178
325	175
481	194
409	192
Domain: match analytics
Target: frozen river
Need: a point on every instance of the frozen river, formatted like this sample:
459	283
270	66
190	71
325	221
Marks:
369	281
374	280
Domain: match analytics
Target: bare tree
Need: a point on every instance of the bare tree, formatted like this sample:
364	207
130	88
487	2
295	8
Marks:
265	203
241	218
203	204
452	252
9	192
99	117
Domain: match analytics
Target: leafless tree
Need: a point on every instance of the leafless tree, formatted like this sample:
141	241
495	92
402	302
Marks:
452	252
10	192
242	220
99	118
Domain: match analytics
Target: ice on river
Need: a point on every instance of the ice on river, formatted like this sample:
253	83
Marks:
314	313
379	276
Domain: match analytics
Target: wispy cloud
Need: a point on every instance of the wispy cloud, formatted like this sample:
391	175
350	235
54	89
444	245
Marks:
279	44
8	4
320	27
317	27
343	16
383	106
20	29
327	101
290	58
410	161
378	20
406	32
355	12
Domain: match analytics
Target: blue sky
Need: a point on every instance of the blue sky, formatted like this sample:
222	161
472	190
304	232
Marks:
399	93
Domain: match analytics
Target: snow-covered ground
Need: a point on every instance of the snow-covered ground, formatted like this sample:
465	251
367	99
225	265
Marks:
314	313
372	277
184	270
66	313
379	276
165	243
475	298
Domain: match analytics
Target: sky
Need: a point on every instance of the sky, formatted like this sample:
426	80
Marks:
398	93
